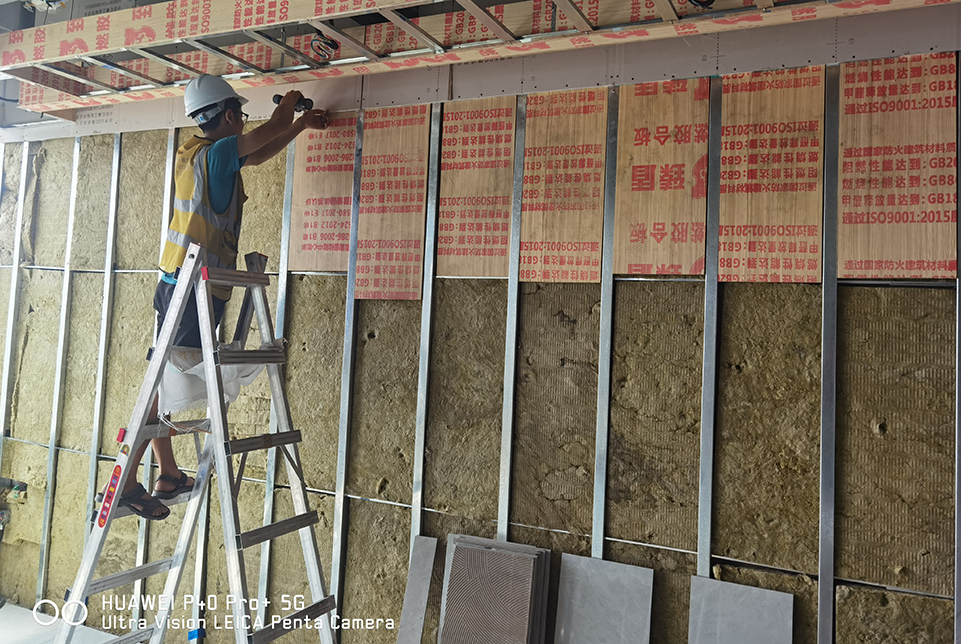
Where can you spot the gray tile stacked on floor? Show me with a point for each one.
(494, 592)
(603, 602)
(725, 613)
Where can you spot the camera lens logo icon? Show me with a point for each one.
(49, 620)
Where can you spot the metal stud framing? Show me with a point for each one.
(510, 341)
(123, 71)
(427, 298)
(574, 15)
(417, 33)
(829, 341)
(279, 326)
(77, 76)
(957, 429)
(58, 381)
(826, 589)
(164, 60)
(346, 378)
(606, 327)
(14, 305)
(709, 365)
(665, 10)
(106, 312)
(484, 17)
(225, 55)
(338, 35)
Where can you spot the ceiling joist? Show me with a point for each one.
(162, 43)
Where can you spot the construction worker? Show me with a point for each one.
(208, 207)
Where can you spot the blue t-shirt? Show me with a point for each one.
(223, 163)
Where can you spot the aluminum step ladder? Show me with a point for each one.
(217, 454)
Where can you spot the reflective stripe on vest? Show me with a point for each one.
(194, 219)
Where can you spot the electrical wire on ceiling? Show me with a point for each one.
(704, 4)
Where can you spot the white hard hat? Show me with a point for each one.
(208, 90)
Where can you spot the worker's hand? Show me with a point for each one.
(284, 112)
(315, 119)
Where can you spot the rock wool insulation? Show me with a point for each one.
(264, 210)
(68, 524)
(766, 479)
(83, 345)
(315, 353)
(380, 463)
(287, 573)
(556, 406)
(465, 398)
(654, 449)
(8, 200)
(140, 207)
(558, 543)
(53, 166)
(93, 203)
(131, 335)
(375, 577)
(5, 275)
(36, 350)
(440, 525)
(869, 616)
(20, 550)
(804, 589)
(895, 437)
(672, 586)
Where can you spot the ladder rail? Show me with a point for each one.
(236, 569)
(278, 401)
(190, 523)
(121, 472)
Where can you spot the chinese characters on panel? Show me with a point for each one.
(662, 178)
(771, 161)
(476, 179)
(563, 193)
(390, 245)
(323, 183)
(898, 168)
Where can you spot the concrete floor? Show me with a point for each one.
(19, 627)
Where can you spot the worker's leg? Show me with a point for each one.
(137, 458)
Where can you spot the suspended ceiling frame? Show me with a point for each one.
(81, 87)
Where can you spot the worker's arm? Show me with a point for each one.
(311, 120)
(279, 122)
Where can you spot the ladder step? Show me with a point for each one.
(133, 638)
(274, 530)
(293, 621)
(128, 576)
(227, 277)
(264, 441)
(273, 355)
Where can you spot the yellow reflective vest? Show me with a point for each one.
(194, 219)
